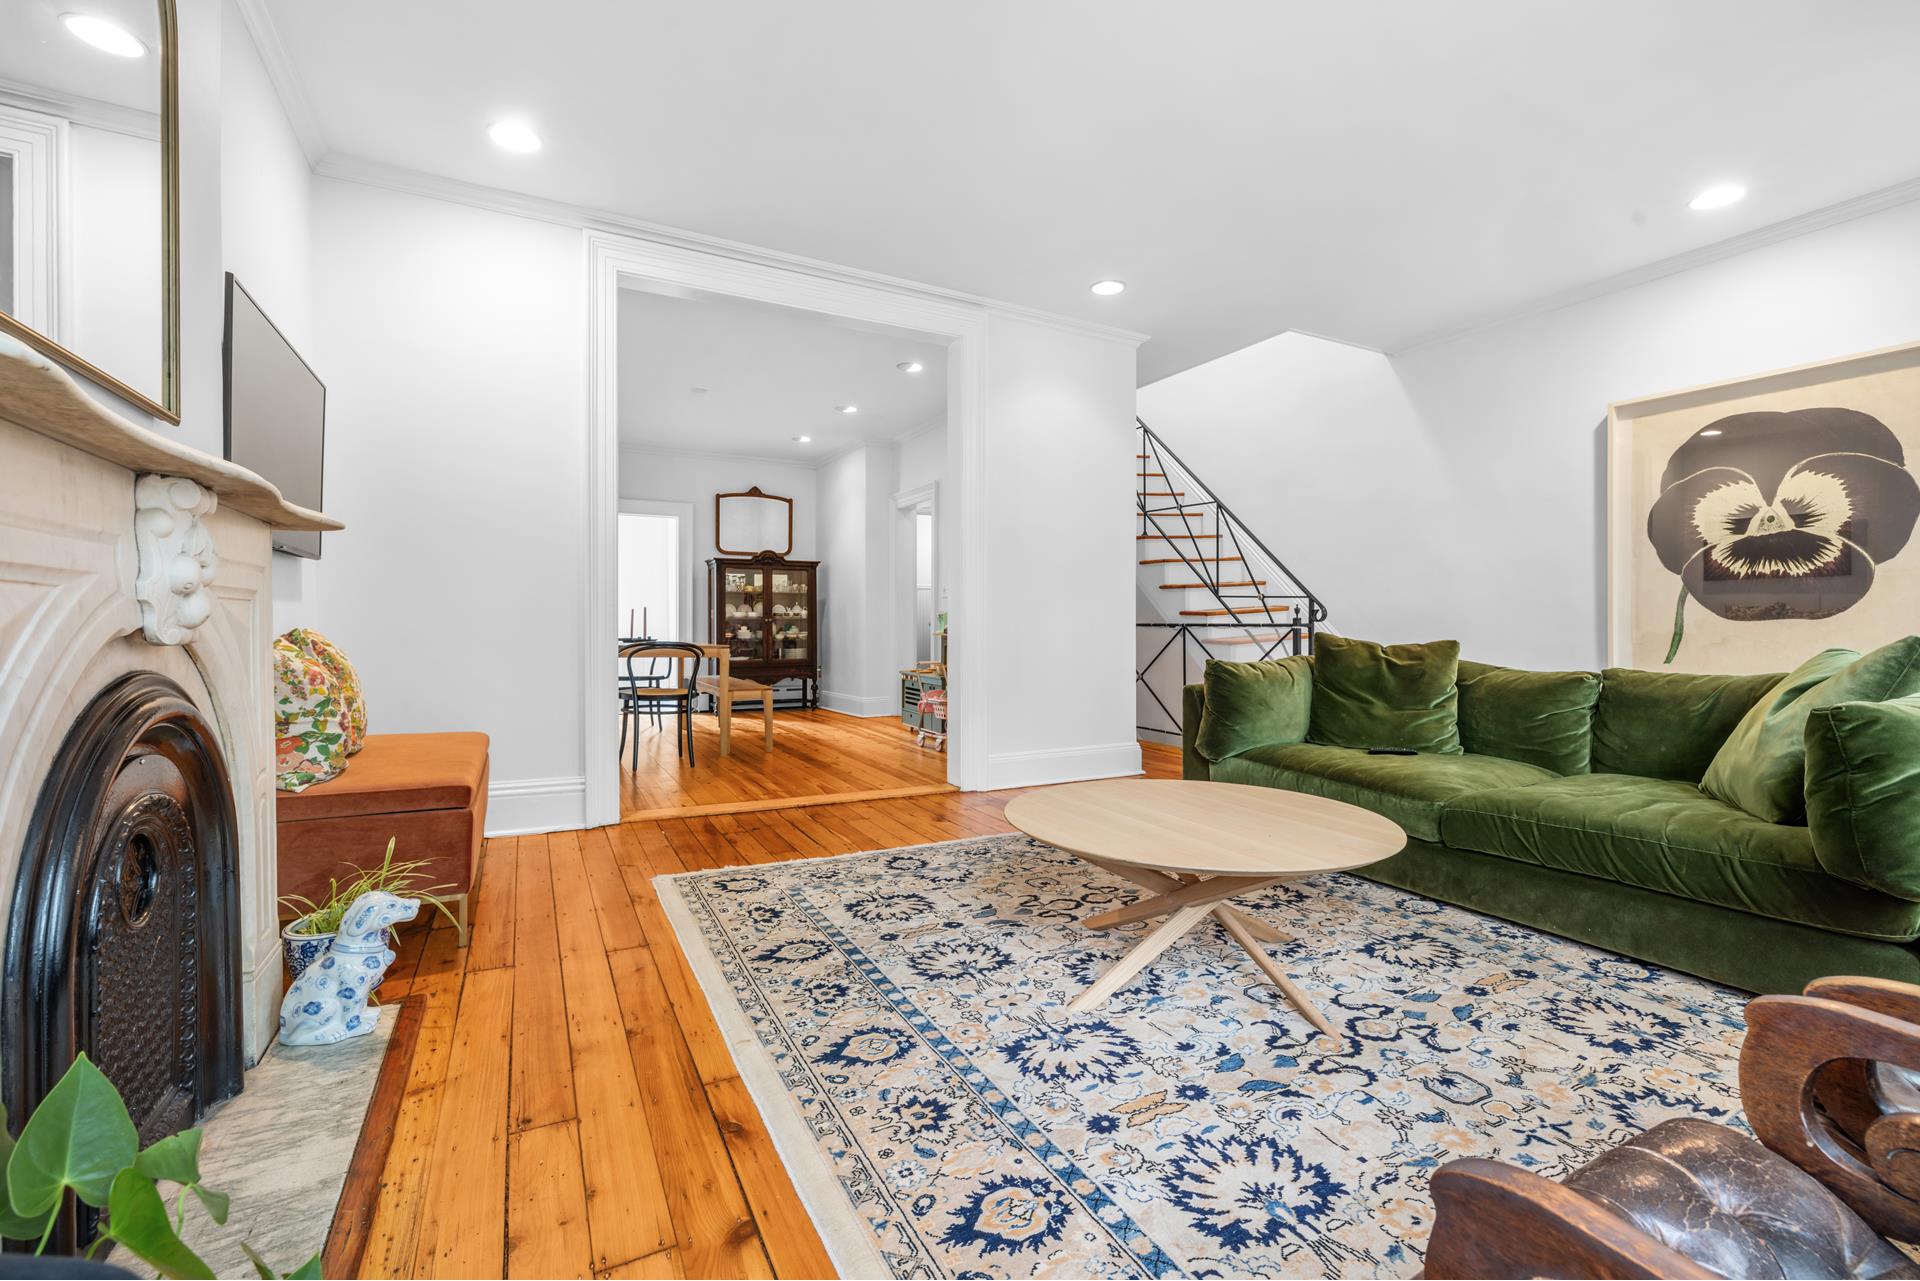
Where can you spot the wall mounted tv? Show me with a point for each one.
(276, 419)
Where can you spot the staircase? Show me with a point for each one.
(1208, 588)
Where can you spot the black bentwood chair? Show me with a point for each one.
(638, 699)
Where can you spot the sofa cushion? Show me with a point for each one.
(1253, 704)
(395, 773)
(1761, 768)
(1410, 790)
(1663, 834)
(1668, 724)
(1369, 695)
(1542, 718)
(1863, 793)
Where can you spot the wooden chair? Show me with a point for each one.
(1829, 1087)
(636, 700)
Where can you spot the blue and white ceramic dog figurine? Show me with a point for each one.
(328, 1002)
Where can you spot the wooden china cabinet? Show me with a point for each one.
(766, 609)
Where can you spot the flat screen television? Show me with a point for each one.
(276, 418)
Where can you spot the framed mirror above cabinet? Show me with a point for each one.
(89, 191)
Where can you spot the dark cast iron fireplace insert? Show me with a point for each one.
(124, 936)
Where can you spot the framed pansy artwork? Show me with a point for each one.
(1754, 523)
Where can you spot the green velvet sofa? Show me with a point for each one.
(1583, 816)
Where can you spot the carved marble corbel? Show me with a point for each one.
(177, 560)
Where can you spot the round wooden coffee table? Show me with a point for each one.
(1195, 845)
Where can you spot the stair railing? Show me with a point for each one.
(1284, 612)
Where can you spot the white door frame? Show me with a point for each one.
(614, 259)
(906, 503)
(683, 512)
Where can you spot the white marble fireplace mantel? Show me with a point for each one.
(122, 551)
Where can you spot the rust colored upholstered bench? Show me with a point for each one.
(428, 791)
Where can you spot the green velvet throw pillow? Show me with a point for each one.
(1540, 718)
(1761, 768)
(1863, 793)
(1370, 695)
(1251, 705)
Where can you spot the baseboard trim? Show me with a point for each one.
(1066, 765)
(857, 705)
(526, 806)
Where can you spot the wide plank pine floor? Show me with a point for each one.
(818, 757)
(571, 1110)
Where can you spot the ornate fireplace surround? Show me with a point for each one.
(137, 874)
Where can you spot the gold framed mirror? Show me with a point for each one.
(90, 192)
(752, 523)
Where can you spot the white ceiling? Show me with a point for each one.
(770, 373)
(1368, 170)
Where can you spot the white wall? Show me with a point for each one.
(858, 651)
(667, 476)
(921, 459)
(452, 344)
(1458, 489)
(1059, 558)
(266, 196)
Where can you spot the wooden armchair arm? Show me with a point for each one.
(1494, 1220)
(1793, 1044)
(1884, 996)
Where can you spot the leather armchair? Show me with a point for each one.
(1829, 1080)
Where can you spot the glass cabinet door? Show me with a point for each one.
(790, 616)
(743, 611)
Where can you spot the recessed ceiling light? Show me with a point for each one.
(1718, 196)
(803, 440)
(1108, 288)
(514, 135)
(909, 366)
(1710, 431)
(105, 36)
(848, 409)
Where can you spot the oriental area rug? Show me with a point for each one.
(900, 1020)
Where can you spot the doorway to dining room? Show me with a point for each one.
(785, 437)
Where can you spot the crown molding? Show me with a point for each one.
(77, 109)
(1900, 193)
(415, 182)
(287, 86)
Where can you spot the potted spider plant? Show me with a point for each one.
(313, 926)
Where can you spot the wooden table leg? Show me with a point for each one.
(766, 714)
(1140, 957)
(723, 708)
(1161, 883)
(1273, 972)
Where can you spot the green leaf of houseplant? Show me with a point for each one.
(79, 1137)
(137, 1218)
(175, 1158)
(308, 1271)
(16, 1227)
(216, 1203)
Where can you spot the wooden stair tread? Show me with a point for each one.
(1224, 613)
(1164, 537)
(1187, 560)
(1163, 493)
(1184, 587)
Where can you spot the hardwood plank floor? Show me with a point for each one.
(819, 757)
(571, 1109)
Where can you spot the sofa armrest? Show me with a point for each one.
(1193, 704)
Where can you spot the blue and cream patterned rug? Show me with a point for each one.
(899, 1017)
